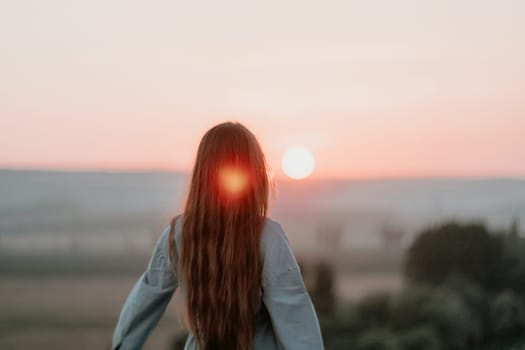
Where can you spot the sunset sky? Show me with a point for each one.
(373, 88)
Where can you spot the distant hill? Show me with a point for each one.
(135, 206)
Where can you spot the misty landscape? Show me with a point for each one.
(393, 132)
(73, 243)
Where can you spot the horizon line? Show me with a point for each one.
(279, 178)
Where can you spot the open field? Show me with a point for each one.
(63, 313)
(76, 306)
(80, 313)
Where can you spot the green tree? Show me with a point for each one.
(378, 339)
(508, 314)
(468, 250)
(440, 308)
(375, 310)
(323, 294)
(421, 338)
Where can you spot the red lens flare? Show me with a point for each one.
(233, 181)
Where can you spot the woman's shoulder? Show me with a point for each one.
(177, 229)
(278, 260)
(272, 234)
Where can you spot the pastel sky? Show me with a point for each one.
(376, 88)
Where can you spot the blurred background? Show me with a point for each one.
(394, 131)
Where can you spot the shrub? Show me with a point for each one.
(374, 310)
(421, 338)
(508, 314)
(378, 339)
(454, 249)
(440, 308)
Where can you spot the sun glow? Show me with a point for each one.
(298, 162)
(233, 180)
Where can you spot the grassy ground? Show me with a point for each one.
(65, 302)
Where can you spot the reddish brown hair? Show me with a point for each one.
(223, 219)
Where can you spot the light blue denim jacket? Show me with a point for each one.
(286, 318)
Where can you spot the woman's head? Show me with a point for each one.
(230, 171)
(223, 219)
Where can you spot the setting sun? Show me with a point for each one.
(298, 162)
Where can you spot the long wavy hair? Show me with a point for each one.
(223, 219)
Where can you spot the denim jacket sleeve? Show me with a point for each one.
(291, 311)
(148, 299)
